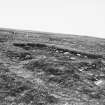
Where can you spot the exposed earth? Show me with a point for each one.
(40, 68)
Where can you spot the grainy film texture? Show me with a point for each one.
(40, 68)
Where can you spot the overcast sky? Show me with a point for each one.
(80, 17)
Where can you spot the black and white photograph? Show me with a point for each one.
(52, 52)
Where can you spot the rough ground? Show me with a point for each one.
(39, 68)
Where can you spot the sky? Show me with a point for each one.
(78, 17)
